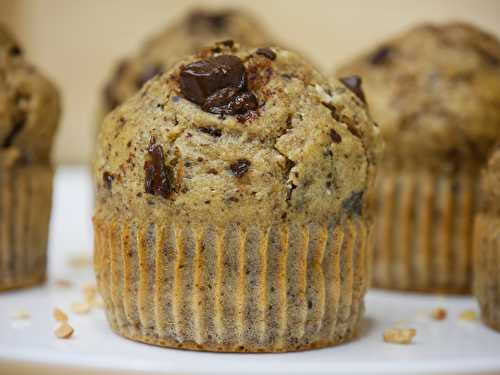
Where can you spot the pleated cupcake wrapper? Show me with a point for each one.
(25, 205)
(487, 268)
(424, 232)
(281, 288)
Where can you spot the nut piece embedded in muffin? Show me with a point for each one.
(435, 91)
(231, 207)
(29, 115)
(197, 29)
(487, 245)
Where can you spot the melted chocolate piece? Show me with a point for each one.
(354, 204)
(218, 85)
(148, 73)
(336, 138)
(214, 132)
(159, 177)
(107, 178)
(15, 51)
(240, 167)
(267, 52)
(381, 56)
(354, 83)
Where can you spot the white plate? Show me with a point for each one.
(29, 346)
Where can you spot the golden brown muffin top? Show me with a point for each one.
(435, 91)
(199, 28)
(236, 134)
(490, 194)
(29, 105)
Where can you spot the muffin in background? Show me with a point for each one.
(29, 115)
(197, 29)
(487, 245)
(435, 91)
(231, 208)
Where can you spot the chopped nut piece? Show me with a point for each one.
(89, 292)
(64, 331)
(59, 315)
(468, 315)
(63, 283)
(399, 335)
(21, 314)
(81, 261)
(439, 314)
(80, 308)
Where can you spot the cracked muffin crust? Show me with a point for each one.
(235, 186)
(29, 113)
(199, 28)
(487, 244)
(435, 91)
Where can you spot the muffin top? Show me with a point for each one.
(435, 91)
(29, 105)
(247, 135)
(490, 195)
(199, 28)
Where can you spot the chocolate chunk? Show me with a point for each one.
(354, 83)
(214, 132)
(488, 57)
(203, 78)
(16, 129)
(159, 177)
(226, 102)
(240, 167)
(354, 204)
(15, 51)
(215, 21)
(107, 178)
(267, 52)
(148, 73)
(227, 43)
(336, 138)
(381, 56)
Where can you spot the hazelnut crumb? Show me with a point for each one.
(468, 315)
(399, 335)
(64, 331)
(439, 314)
(63, 283)
(80, 308)
(59, 315)
(21, 314)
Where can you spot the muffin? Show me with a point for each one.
(487, 245)
(29, 113)
(435, 91)
(230, 211)
(198, 28)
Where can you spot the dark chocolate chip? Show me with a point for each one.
(227, 102)
(247, 116)
(16, 129)
(15, 50)
(267, 52)
(203, 78)
(148, 73)
(107, 178)
(214, 132)
(354, 204)
(240, 167)
(354, 83)
(488, 57)
(227, 43)
(159, 177)
(381, 56)
(336, 138)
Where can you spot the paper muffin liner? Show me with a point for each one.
(424, 231)
(25, 205)
(487, 268)
(233, 289)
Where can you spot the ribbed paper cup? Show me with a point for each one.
(487, 268)
(424, 231)
(233, 289)
(25, 205)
